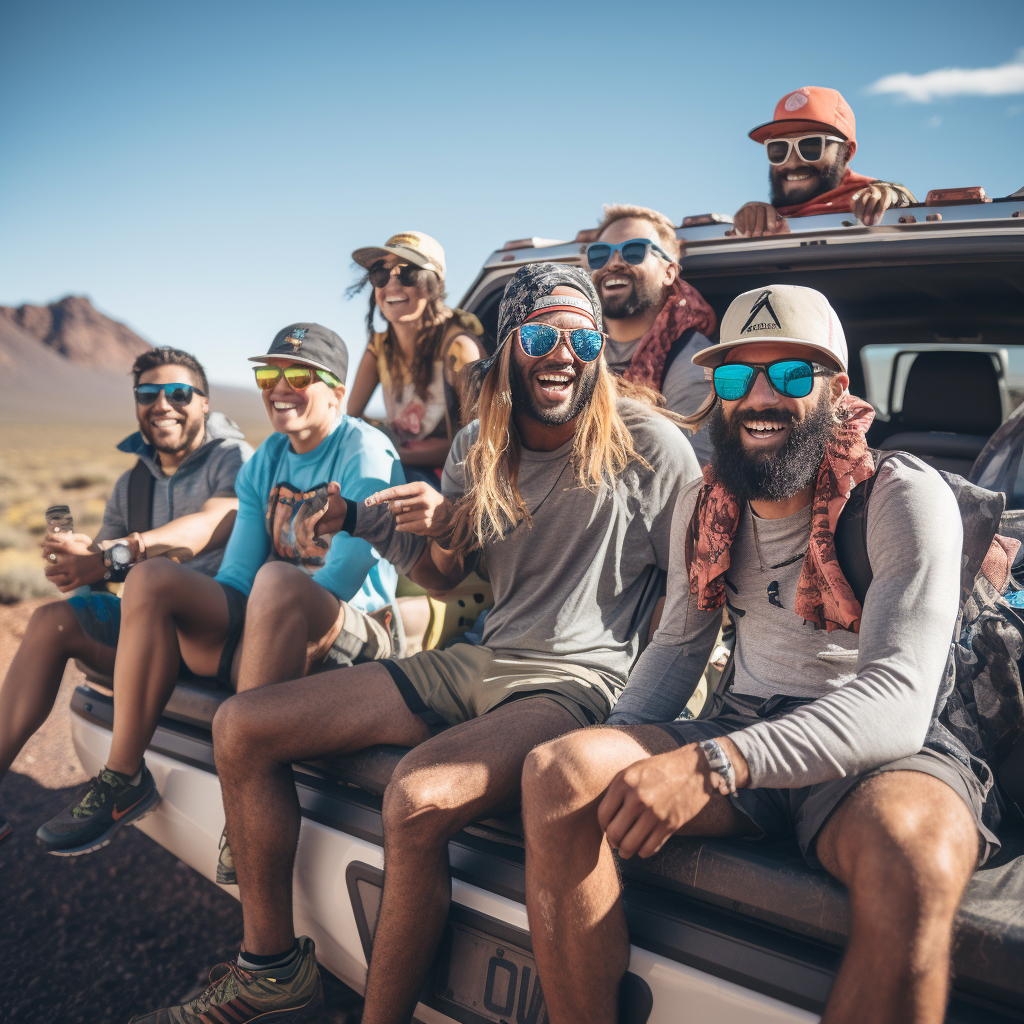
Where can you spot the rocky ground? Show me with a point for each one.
(97, 939)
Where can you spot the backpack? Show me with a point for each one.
(979, 711)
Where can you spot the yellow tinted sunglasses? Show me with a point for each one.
(298, 376)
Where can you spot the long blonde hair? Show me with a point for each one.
(492, 506)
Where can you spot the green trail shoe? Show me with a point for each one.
(226, 862)
(238, 995)
(91, 821)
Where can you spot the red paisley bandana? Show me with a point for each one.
(823, 596)
(837, 200)
(684, 308)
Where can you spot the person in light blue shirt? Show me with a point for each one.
(276, 609)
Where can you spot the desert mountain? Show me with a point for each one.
(68, 362)
(74, 329)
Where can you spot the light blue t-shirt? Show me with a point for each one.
(276, 482)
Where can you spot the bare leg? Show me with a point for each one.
(257, 735)
(577, 922)
(905, 846)
(168, 612)
(290, 622)
(30, 687)
(444, 784)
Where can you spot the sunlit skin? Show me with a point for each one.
(616, 278)
(304, 415)
(756, 218)
(176, 431)
(763, 396)
(403, 307)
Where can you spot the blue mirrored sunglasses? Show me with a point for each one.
(793, 378)
(177, 394)
(538, 340)
(634, 251)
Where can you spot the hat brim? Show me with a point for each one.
(369, 255)
(301, 360)
(714, 355)
(788, 126)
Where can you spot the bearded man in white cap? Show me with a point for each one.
(824, 728)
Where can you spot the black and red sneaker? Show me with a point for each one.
(91, 821)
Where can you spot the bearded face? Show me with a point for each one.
(796, 182)
(530, 395)
(775, 474)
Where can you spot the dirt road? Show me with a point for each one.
(97, 939)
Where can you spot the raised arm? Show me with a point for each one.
(364, 385)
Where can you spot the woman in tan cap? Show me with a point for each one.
(418, 358)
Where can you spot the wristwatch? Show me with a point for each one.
(117, 559)
(719, 763)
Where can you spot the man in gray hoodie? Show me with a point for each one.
(179, 502)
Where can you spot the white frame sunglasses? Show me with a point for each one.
(795, 142)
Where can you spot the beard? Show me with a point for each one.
(774, 476)
(640, 299)
(189, 438)
(522, 397)
(821, 181)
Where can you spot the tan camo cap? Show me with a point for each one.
(780, 312)
(412, 246)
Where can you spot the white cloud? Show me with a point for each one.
(1004, 80)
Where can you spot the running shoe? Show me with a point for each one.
(6, 831)
(238, 995)
(226, 862)
(108, 804)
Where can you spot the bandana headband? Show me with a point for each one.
(561, 309)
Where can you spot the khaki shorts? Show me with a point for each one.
(466, 681)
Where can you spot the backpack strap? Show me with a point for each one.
(675, 348)
(851, 536)
(140, 498)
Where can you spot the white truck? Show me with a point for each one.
(932, 299)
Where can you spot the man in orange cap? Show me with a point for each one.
(810, 143)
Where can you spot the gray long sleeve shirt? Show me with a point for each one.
(874, 692)
(581, 584)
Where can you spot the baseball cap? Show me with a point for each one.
(412, 246)
(810, 109)
(311, 345)
(780, 312)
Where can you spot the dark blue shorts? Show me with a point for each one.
(98, 613)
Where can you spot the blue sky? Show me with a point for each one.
(203, 170)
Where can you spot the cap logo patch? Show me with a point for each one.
(795, 101)
(296, 338)
(762, 304)
(410, 240)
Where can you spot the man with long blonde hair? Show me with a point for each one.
(566, 488)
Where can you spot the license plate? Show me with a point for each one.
(492, 979)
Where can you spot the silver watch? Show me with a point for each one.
(719, 763)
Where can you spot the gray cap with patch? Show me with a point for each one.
(310, 345)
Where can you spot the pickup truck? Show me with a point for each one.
(932, 300)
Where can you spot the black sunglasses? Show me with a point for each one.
(177, 394)
(380, 273)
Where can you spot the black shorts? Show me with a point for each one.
(777, 813)
(237, 602)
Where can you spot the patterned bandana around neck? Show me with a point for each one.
(684, 308)
(823, 596)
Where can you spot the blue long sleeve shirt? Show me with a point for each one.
(275, 484)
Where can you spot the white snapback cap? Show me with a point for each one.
(780, 313)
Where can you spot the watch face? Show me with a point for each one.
(120, 556)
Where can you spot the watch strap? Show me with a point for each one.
(719, 763)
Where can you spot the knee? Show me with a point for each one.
(911, 871)
(276, 588)
(52, 623)
(417, 811)
(234, 734)
(150, 582)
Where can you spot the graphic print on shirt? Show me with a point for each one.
(287, 505)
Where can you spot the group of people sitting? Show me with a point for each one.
(621, 481)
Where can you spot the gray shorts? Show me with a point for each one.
(777, 813)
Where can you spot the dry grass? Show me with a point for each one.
(56, 464)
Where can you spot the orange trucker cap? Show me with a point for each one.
(810, 109)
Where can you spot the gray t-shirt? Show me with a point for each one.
(684, 386)
(582, 582)
(209, 472)
(874, 692)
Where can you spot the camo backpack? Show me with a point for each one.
(979, 711)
